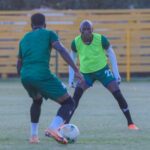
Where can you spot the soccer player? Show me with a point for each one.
(92, 50)
(33, 66)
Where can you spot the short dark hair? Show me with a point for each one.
(37, 19)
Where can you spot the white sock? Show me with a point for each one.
(56, 123)
(34, 129)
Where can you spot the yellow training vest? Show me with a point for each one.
(91, 57)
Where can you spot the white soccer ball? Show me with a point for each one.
(70, 132)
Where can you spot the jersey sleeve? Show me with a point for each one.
(73, 46)
(105, 42)
(53, 36)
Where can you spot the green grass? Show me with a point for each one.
(101, 123)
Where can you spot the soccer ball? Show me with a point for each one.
(70, 132)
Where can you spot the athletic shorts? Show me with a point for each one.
(105, 76)
(51, 88)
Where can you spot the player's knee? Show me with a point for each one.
(69, 101)
(83, 86)
(76, 104)
(38, 101)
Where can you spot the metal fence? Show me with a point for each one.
(127, 30)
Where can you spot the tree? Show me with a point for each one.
(73, 4)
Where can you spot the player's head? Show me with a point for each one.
(86, 27)
(38, 21)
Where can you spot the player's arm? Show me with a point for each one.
(19, 61)
(112, 57)
(73, 55)
(19, 65)
(65, 55)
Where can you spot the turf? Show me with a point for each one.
(101, 123)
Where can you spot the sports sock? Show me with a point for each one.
(66, 109)
(56, 123)
(77, 95)
(123, 105)
(128, 116)
(34, 129)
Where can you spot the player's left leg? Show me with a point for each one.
(35, 112)
(108, 80)
(79, 90)
(116, 92)
(35, 109)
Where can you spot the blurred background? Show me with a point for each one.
(72, 4)
(125, 23)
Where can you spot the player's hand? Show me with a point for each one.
(72, 85)
(79, 76)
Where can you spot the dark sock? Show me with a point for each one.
(128, 116)
(66, 109)
(123, 105)
(35, 110)
(76, 97)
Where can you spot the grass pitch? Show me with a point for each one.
(101, 123)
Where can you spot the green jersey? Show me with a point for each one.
(92, 57)
(35, 51)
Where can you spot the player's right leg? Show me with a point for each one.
(56, 90)
(79, 90)
(106, 77)
(64, 113)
